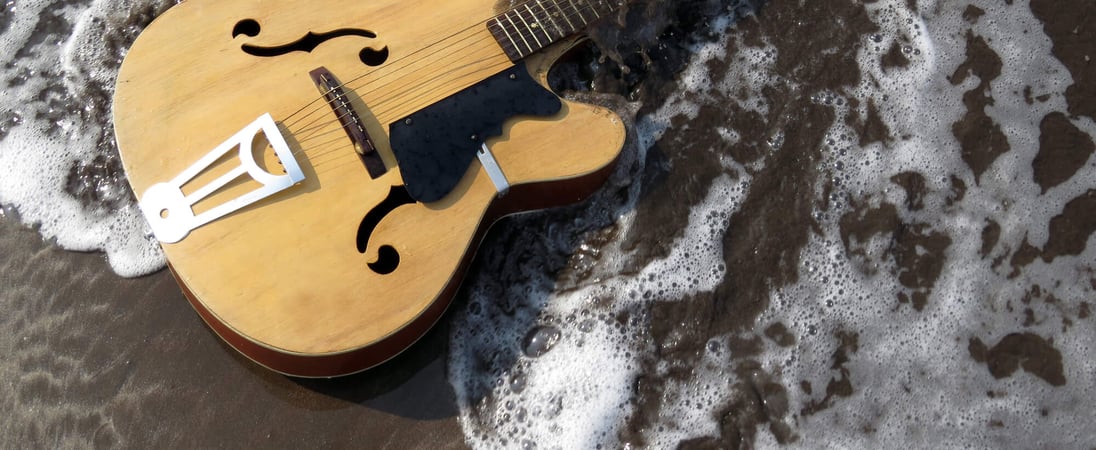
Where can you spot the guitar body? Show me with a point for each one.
(283, 280)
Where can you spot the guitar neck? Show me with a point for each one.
(536, 24)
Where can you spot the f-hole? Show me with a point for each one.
(251, 28)
(388, 259)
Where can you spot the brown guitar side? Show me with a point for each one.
(281, 280)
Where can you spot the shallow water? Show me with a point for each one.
(835, 224)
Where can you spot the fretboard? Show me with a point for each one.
(535, 24)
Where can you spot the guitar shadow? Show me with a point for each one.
(413, 384)
(417, 383)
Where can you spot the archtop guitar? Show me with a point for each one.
(320, 174)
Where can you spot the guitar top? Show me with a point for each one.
(320, 175)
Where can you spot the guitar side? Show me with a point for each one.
(281, 280)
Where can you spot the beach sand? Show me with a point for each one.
(895, 202)
(92, 358)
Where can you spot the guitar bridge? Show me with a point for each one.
(339, 102)
(170, 212)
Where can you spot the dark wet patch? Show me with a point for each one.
(1023, 256)
(957, 192)
(991, 233)
(1029, 317)
(1074, 44)
(780, 335)
(918, 252)
(1063, 151)
(686, 158)
(860, 225)
(914, 185)
(920, 256)
(873, 129)
(980, 138)
(1028, 351)
(894, 58)
(1030, 98)
(773, 224)
(973, 13)
(99, 185)
(6, 15)
(840, 386)
(1069, 234)
(756, 400)
(1070, 230)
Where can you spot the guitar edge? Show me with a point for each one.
(522, 197)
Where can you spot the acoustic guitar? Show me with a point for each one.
(320, 174)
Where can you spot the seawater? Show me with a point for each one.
(839, 359)
(551, 339)
(62, 173)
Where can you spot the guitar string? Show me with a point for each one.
(397, 70)
(572, 14)
(342, 157)
(433, 89)
(387, 71)
(380, 112)
(411, 88)
(318, 150)
(394, 96)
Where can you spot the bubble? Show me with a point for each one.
(540, 340)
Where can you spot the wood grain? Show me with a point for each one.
(284, 274)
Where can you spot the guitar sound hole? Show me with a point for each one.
(246, 27)
(373, 58)
(388, 259)
(307, 43)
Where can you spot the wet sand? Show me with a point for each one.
(97, 359)
(92, 359)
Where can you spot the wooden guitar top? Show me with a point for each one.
(282, 279)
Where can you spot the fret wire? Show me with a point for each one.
(527, 28)
(564, 14)
(531, 30)
(540, 24)
(559, 30)
(520, 34)
(513, 44)
(544, 25)
(580, 17)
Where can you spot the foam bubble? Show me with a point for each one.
(56, 144)
(912, 378)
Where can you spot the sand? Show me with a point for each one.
(852, 295)
(92, 359)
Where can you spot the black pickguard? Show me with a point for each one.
(436, 145)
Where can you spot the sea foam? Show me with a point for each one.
(912, 375)
(61, 168)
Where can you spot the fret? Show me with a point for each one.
(531, 31)
(579, 12)
(519, 33)
(509, 39)
(505, 39)
(564, 14)
(538, 24)
(559, 30)
(531, 26)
